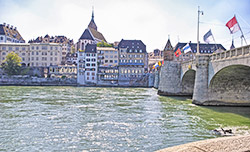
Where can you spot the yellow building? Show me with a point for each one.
(34, 55)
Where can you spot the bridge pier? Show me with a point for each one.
(170, 79)
(201, 80)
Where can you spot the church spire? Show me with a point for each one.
(92, 22)
(92, 13)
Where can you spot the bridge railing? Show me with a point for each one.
(236, 52)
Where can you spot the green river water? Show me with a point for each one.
(107, 119)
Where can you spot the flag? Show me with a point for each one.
(233, 25)
(208, 37)
(177, 53)
(186, 48)
(159, 63)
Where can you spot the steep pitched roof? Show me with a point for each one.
(133, 45)
(204, 48)
(90, 48)
(87, 35)
(92, 22)
(11, 32)
(168, 46)
(97, 35)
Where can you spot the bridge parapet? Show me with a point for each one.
(236, 52)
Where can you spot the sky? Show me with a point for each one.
(152, 21)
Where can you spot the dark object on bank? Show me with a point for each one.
(222, 132)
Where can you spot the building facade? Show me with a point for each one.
(133, 59)
(33, 55)
(107, 65)
(10, 34)
(203, 49)
(65, 43)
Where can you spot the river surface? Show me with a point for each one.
(106, 119)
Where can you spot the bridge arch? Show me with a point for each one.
(188, 81)
(231, 84)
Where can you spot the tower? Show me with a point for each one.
(168, 51)
(92, 22)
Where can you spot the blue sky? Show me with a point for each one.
(149, 20)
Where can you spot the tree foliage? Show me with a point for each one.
(12, 64)
(103, 44)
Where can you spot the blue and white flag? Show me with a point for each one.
(187, 48)
(208, 37)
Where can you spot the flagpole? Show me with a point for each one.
(198, 45)
(214, 41)
(242, 36)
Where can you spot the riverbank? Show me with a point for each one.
(223, 144)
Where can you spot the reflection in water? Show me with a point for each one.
(108, 119)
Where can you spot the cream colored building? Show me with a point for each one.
(35, 54)
(107, 56)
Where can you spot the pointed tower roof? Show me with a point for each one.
(232, 46)
(92, 22)
(168, 46)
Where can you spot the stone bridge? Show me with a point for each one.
(215, 79)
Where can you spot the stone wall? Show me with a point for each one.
(151, 80)
(170, 82)
(157, 79)
(230, 86)
(27, 80)
(187, 83)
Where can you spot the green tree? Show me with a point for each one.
(12, 64)
(103, 44)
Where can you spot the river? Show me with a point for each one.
(106, 119)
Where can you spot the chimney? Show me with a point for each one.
(11, 27)
(4, 24)
(8, 25)
(15, 28)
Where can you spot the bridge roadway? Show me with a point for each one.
(212, 79)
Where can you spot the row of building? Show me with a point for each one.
(119, 63)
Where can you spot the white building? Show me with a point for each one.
(81, 68)
(87, 65)
(9, 34)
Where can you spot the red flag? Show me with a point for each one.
(177, 53)
(233, 25)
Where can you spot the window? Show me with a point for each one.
(106, 61)
(111, 56)
(87, 64)
(51, 58)
(10, 48)
(23, 48)
(55, 58)
(4, 48)
(51, 53)
(17, 48)
(111, 61)
(37, 58)
(37, 47)
(37, 53)
(87, 78)
(115, 61)
(93, 78)
(88, 60)
(1, 38)
(93, 60)
(55, 53)
(3, 53)
(23, 53)
(32, 48)
(93, 64)
(23, 59)
(87, 73)
(32, 53)
(93, 74)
